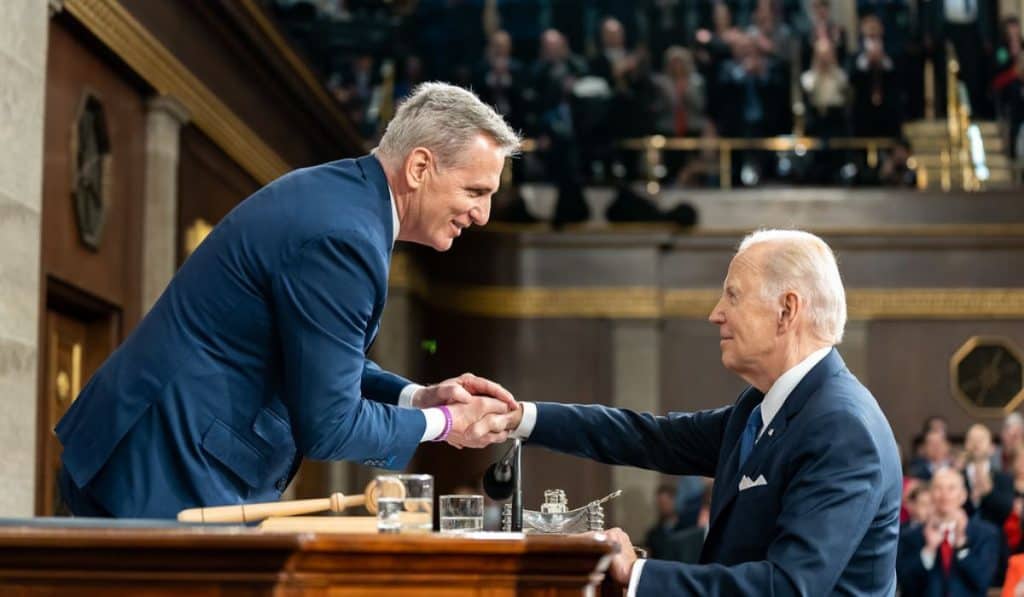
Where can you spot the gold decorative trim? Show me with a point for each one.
(133, 43)
(914, 230)
(533, 303)
(635, 302)
(954, 378)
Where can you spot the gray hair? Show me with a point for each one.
(444, 119)
(802, 262)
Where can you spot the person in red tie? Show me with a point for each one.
(951, 555)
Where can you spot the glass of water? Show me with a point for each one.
(405, 503)
(462, 513)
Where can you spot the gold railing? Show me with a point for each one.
(654, 147)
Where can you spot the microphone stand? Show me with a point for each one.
(517, 487)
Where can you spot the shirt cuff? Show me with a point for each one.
(927, 559)
(634, 577)
(435, 423)
(527, 423)
(405, 398)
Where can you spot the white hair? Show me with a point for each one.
(801, 262)
(444, 119)
(1013, 419)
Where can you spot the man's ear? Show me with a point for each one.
(789, 309)
(417, 167)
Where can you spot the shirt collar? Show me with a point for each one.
(394, 217)
(785, 384)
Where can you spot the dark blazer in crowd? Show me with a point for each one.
(971, 568)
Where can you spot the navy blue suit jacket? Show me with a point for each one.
(969, 575)
(253, 358)
(826, 520)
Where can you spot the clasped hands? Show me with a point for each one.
(482, 411)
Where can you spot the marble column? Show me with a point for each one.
(23, 35)
(636, 375)
(164, 119)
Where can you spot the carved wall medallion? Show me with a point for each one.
(987, 375)
(90, 169)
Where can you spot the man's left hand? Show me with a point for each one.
(622, 564)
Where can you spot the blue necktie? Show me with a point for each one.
(750, 432)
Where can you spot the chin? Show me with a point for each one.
(443, 244)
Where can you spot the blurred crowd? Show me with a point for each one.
(961, 522)
(578, 76)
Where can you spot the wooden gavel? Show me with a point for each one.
(337, 502)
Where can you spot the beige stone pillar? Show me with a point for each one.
(636, 386)
(164, 119)
(23, 33)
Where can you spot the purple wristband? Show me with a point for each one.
(447, 424)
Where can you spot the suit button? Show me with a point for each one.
(281, 484)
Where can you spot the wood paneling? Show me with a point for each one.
(210, 184)
(112, 273)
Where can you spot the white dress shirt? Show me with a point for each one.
(770, 407)
(435, 419)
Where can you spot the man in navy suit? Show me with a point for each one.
(807, 485)
(950, 555)
(255, 355)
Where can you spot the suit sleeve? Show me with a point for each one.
(380, 385)
(677, 444)
(835, 485)
(324, 299)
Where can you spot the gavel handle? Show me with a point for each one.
(256, 512)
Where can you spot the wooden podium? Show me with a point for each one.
(233, 560)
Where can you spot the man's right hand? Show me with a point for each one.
(478, 423)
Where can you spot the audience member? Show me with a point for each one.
(935, 455)
(950, 554)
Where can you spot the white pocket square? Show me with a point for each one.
(746, 483)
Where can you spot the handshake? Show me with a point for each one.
(483, 412)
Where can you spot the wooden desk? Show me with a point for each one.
(222, 561)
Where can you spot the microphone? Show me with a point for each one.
(499, 482)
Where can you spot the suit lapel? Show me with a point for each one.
(727, 482)
(727, 488)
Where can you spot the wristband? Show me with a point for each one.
(447, 424)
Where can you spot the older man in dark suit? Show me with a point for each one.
(807, 475)
(255, 356)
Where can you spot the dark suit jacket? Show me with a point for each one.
(253, 357)
(971, 570)
(826, 518)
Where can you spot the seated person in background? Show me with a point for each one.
(686, 544)
(668, 521)
(1011, 437)
(935, 455)
(919, 506)
(989, 492)
(950, 554)
(895, 170)
(826, 90)
(1013, 528)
